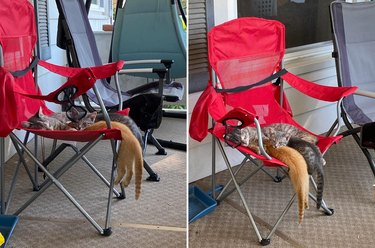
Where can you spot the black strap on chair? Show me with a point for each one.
(246, 87)
(32, 65)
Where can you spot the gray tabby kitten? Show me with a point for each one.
(293, 131)
(248, 137)
(59, 121)
(315, 162)
(126, 120)
(276, 134)
(55, 121)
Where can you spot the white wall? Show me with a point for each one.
(225, 10)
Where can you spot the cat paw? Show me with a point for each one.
(118, 180)
(125, 183)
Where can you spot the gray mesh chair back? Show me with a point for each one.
(354, 50)
(76, 27)
(354, 35)
(75, 35)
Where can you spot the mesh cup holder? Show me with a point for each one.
(232, 134)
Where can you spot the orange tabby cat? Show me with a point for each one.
(297, 173)
(130, 152)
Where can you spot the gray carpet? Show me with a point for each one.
(157, 218)
(348, 190)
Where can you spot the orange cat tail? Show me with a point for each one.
(138, 176)
(301, 206)
(130, 157)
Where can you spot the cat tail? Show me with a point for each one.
(300, 180)
(130, 152)
(133, 155)
(319, 187)
(138, 174)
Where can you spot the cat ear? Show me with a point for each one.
(92, 116)
(40, 112)
(74, 112)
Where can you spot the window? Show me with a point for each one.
(44, 47)
(306, 21)
(98, 3)
(201, 19)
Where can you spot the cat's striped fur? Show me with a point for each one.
(315, 162)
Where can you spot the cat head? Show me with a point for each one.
(277, 138)
(38, 121)
(78, 122)
(248, 135)
(233, 136)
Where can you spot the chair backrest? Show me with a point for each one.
(75, 25)
(246, 50)
(150, 29)
(354, 39)
(17, 41)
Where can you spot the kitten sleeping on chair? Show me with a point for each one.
(302, 156)
(130, 151)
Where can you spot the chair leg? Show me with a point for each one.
(250, 216)
(267, 240)
(2, 177)
(357, 139)
(53, 180)
(153, 176)
(225, 192)
(327, 211)
(107, 228)
(155, 142)
(57, 174)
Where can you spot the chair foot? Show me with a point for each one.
(153, 178)
(330, 212)
(36, 188)
(161, 152)
(278, 179)
(265, 242)
(107, 232)
(121, 196)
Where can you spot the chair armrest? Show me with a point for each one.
(364, 93)
(143, 70)
(245, 117)
(101, 71)
(317, 91)
(166, 62)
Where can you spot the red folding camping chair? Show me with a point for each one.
(246, 55)
(21, 99)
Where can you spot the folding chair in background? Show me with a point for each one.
(354, 49)
(152, 31)
(146, 100)
(76, 36)
(149, 29)
(22, 99)
(245, 55)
